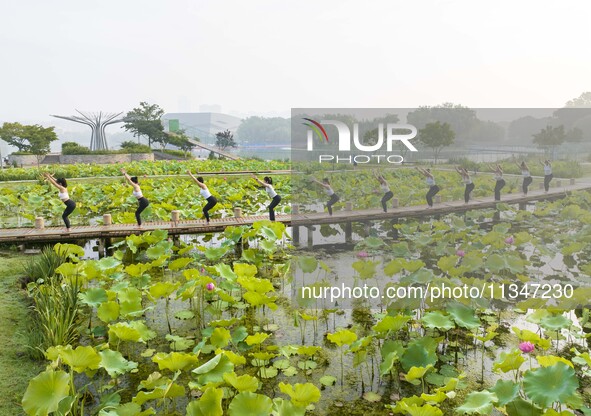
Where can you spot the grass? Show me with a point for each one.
(15, 366)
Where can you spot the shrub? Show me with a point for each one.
(73, 148)
(43, 266)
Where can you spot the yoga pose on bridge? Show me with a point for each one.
(500, 182)
(433, 189)
(388, 194)
(333, 198)
(547, 174)
(137, 192)
(275, 199)
(62, 185)
(467, 181)
(527, 179)
(211, 201)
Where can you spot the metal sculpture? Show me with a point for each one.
(97, 122)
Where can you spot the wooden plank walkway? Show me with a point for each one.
(58, 234)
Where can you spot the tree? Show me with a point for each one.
(34, 139)
(583, 100)
(224, 139)
(145, 121)
(437, 135)
(550, 137)
(181, 140)
(275, 130)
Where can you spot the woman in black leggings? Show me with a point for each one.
(62, 185)
(467, 181)
(137, 192)
(500, 182)
(527, 179)
(547, 174)
(211, 201)
(433, 189)
(388, 194)
(333, 198)
(275, 199)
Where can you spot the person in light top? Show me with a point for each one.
(547, 174)
(500, 182)
(527, 179)
(267, 182)
(211, 201)
(62, 185)
(467, 181)
(137, 192)
(388, 194)
(333, 198)
(433, 188)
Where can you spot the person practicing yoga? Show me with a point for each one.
(333, 198)
(267, 182)
(500, 182)
(137, 192)
(211, 201)
(527, 179)
(62, 185)
(467, 181)
(433, 189)
(547, 174)
(388, 194)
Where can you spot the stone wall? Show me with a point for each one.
(23, 160)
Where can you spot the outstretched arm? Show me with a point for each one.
(49, 177)
(320, 183)
(201, 184)
(128, 178)
(259, 181)
(525, 165)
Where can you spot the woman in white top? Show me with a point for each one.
(62, 185)
(137, 192)
(500, 182)
(211, 201)
(388, 194)
(527, 179)
(467, 181)
(275, 199)
(333, 198)
(433, 189)
(547, 174)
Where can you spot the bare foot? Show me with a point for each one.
(67, 230)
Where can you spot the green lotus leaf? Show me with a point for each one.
(307, 365)
(163, 289)
(290, 371)
(307, 264)
(520, 407)
(213, 370)
(170, 390)
(93, 296)
(81, 359)
(175, 361)
(108, 263)
(179, 264)
(225, 271)
(478, 403)
(45, 392)
(130, 302)
(282, 407)
(391, 323)
(342, 337)
(301, 394)
(371, 397)
(437, 320)
(495, 263)
(420, 410)
(220, 337)
(438, 397)
(122, 331)
(327, 380)
(549, 360)
(506, 391)
(210, 404)
(547, 385)
(509, 361)
(415, 374)
(256, 339)
(250, 404)
(108, 311)
(215, 253)
(178, 343)
(114, 363)
(555, 322)
(242, 383)
(184, 315)
(267, 372)
(419, 353)
(366, 268)
(464, 316)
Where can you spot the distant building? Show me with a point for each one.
(201, 125)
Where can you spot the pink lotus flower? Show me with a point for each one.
(225, 178)
(526, 347)
(363, 254)
(202, 270)
(460, 253)
(509, 240)
(210, 286)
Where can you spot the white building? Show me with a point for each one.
(201, 125)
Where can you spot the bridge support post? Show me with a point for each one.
(101, 248)
(295, 229)
(541, 186)
(174, 217)
(107, 220)
(310, 236)
(39, 223)
(394, 202)
(558, 183)
(572, 181)
(237, 212)
(522, 206)
(348, 232)
(438, 199)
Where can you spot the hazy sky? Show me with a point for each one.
(264, 57)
